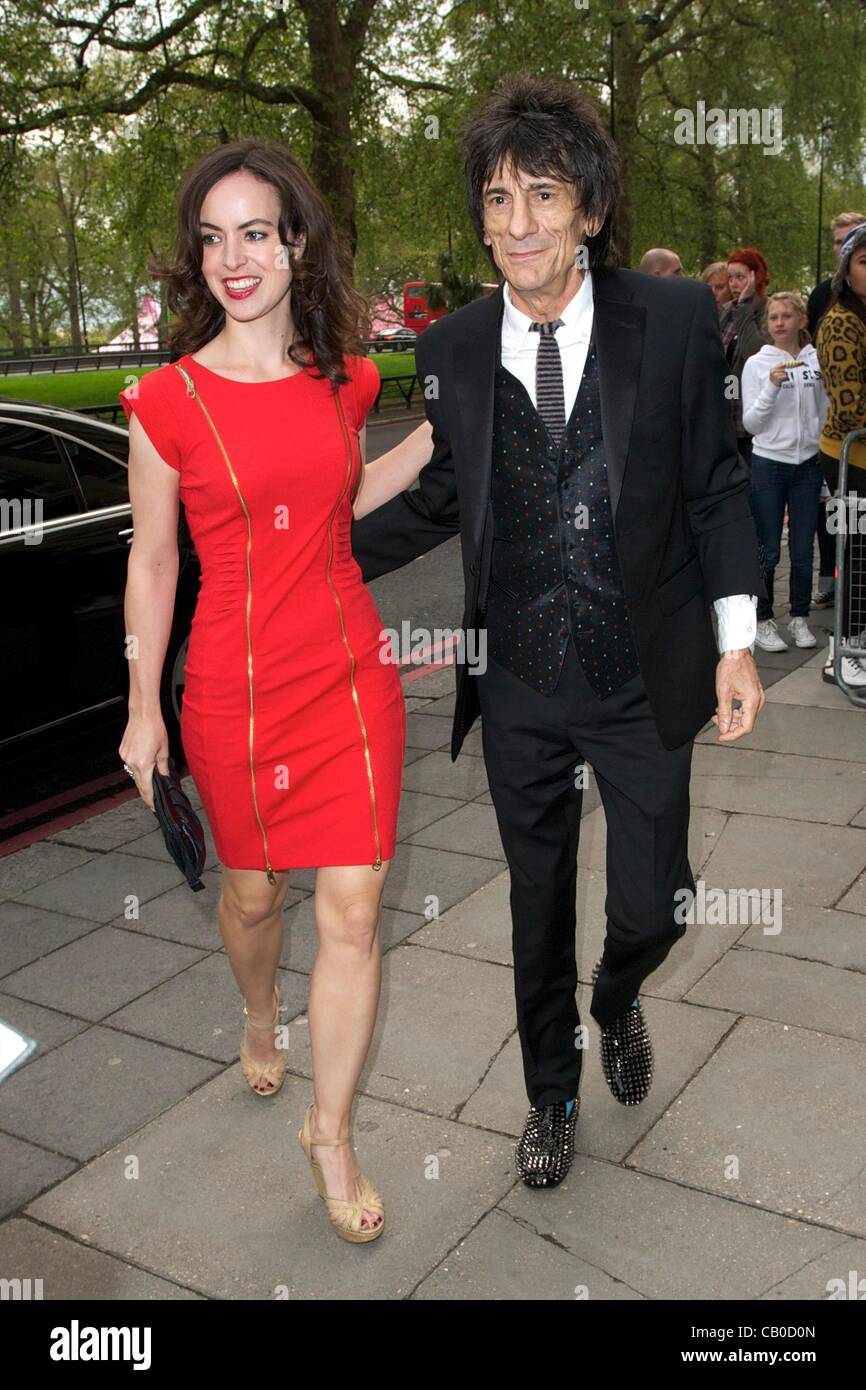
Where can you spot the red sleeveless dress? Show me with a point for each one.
(293, 724)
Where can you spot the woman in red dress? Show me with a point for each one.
(293, 720)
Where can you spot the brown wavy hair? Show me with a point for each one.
(329, 315)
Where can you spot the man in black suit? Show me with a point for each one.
(582, 448)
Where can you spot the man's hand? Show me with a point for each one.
(737, 679)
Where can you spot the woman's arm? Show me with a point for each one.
(149, 604)
(759, 397)
(393, 472)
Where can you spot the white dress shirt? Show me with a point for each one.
(736, 613)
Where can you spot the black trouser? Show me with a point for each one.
(532, 745)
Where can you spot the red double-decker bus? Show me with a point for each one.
(417, 313)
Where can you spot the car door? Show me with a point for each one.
(99, 568)
(39, 534)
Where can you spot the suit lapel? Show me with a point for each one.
(618, 328)
(475, 358)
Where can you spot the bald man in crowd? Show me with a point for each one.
(659, 261)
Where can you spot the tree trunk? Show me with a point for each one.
(335, 50)
(16, 325)
(627, 84)
(67, 231)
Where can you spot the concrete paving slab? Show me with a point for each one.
(472, 829)
(36, 864)
(100, 971)
(251, 1223)
(95, 1089)
(805, 687)
(103, 886)
(814, 864)
(413, 755)
(837, 1273)
(427, 730)
(735, 760)
(25, 1171)
(479, 926)
(788, 1106)
(26, 933)
(444, 704)
(180, 915)
(821, 733)
(418, 809)
(107, 830)
(815, 933)
(663, 1240)
(504, 1257)
(200, 1010)
(69, 1270)
(829, 801)
(855, 899)
(436, 773)
(766, 984)
(431, 1058)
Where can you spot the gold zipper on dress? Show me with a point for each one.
(378, 860)
(191, 391)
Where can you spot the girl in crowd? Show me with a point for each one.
(743, 325)
(783, 408)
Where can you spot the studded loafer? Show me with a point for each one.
(626, 1053)
(546, 1148)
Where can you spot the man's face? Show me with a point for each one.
(673, 266)
(839, 235)
(534, 226)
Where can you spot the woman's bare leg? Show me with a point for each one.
(251, 924)
(344, 998)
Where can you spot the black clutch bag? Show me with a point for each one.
(180, 826)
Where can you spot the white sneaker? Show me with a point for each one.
(853, 672)
(801, 634)
(769, 638)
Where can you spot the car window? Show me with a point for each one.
(32, 469)
(103, 478)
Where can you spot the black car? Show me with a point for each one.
(65, 532)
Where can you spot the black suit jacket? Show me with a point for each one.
(679, 489)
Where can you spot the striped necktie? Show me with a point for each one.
(549, 389)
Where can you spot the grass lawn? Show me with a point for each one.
(72, 390)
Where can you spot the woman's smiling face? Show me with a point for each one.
(247, 269)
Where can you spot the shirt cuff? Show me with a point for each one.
(737, 620)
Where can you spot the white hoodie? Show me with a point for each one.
(785, 421)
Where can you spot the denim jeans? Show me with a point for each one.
(799, 485)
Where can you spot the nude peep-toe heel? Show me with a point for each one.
(257, 1073)
(346, 1216)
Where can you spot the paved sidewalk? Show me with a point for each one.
(137, 1163)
